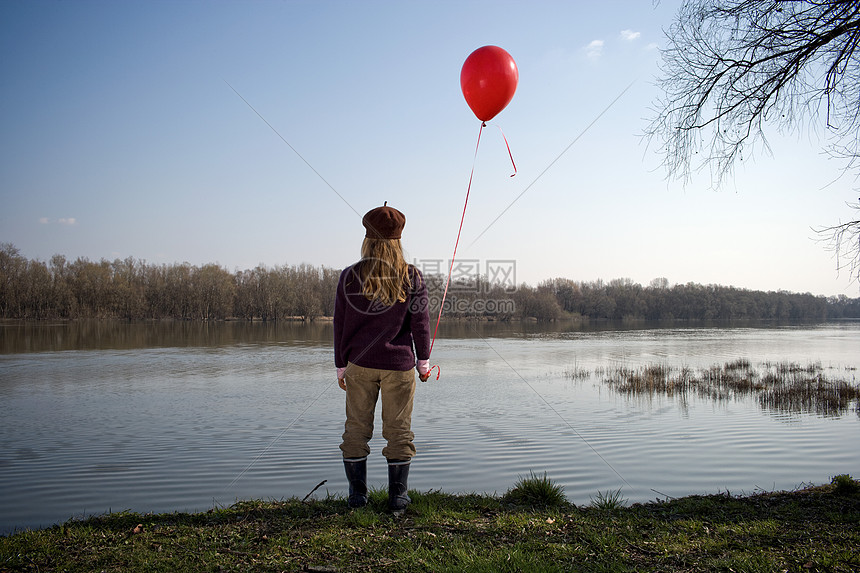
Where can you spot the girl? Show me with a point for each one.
(381, 335)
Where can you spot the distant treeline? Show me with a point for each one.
(133, 289)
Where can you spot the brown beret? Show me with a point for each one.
(384, 223)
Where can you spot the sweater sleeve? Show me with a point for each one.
(339, 310)
(420, 309)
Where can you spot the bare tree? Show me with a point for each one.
(734, 66)
(844, 240)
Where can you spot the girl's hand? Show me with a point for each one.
(423, 367)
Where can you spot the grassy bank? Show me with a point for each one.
(530, 528)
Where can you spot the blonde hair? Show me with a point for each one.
(383, 271)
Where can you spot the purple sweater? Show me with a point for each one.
(375, 336)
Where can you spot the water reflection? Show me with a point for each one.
(17, 337)
(24, 337)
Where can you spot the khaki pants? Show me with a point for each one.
(363, 386)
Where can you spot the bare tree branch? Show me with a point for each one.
(733, 67)
(844, 241)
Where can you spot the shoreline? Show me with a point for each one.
(816, 528)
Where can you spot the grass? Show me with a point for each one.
(608, 501)
(536, 491)
(783, 386)
(810, 530)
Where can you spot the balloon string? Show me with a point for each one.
(511, 155)
(439, 373)
(457, 242)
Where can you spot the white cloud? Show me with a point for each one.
(652, 46)
(630, 35)
(61, 221)
(594, 49)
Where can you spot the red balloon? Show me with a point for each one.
(489, 79)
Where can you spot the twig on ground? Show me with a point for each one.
(319, 485)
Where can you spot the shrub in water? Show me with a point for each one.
(536, 490)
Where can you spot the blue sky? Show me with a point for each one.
(121, 138)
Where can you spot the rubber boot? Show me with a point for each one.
(398, 475)
(356, 474)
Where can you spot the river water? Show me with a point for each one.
(165, 416)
